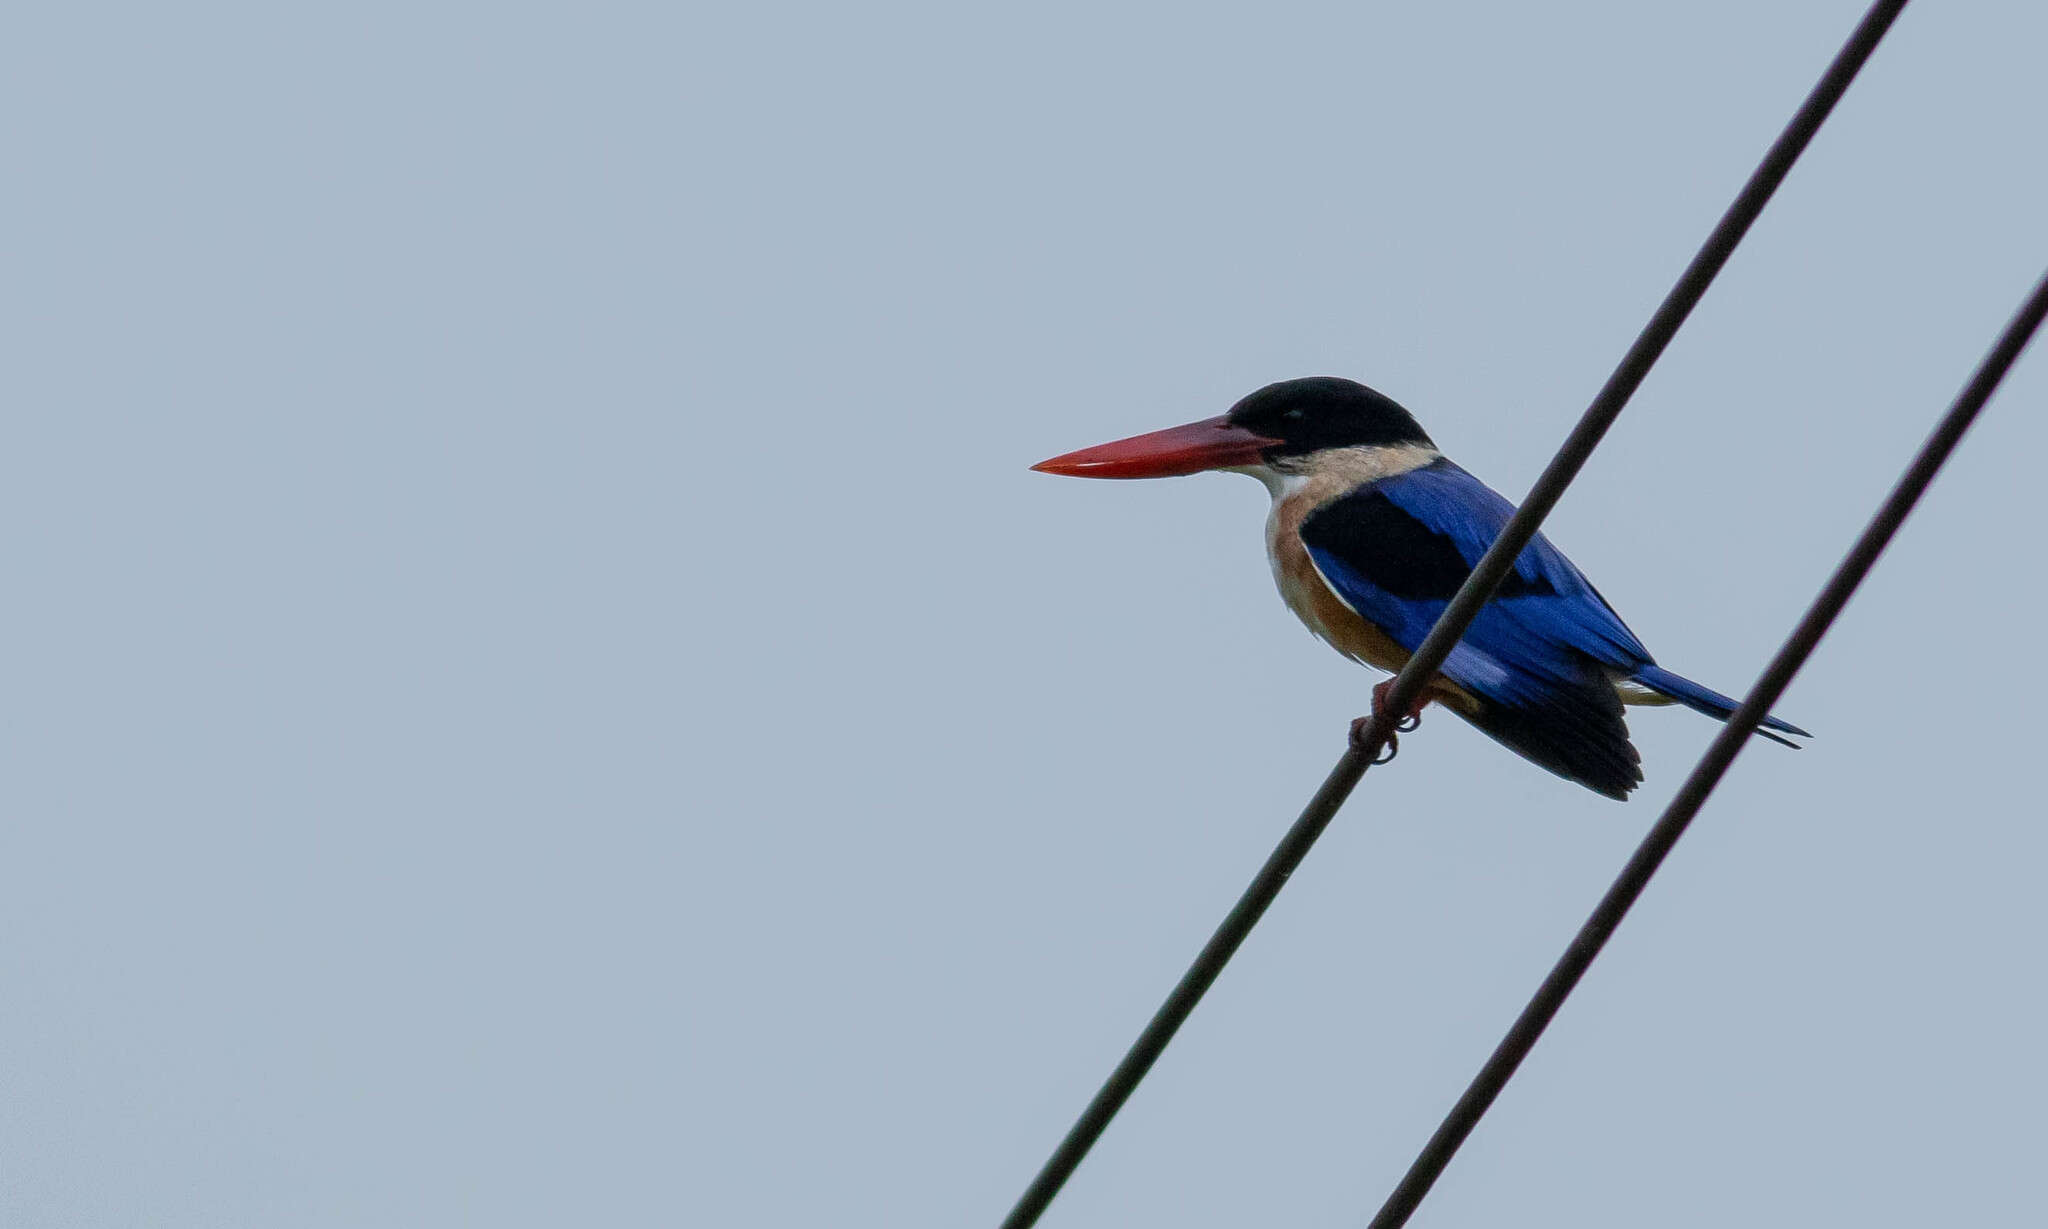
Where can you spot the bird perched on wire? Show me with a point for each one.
(1371, 532)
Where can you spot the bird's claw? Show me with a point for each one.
(1406, 724)
(1360, 731)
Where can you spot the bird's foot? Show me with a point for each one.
(1410, 721)
(1359, 740)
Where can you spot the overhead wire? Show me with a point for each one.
(1478, 588)
(1713, 765)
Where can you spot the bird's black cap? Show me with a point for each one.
(1318, 412)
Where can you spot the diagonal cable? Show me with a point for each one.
(1477, 589)
(1721, 753)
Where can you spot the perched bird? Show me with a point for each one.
(1371, 532)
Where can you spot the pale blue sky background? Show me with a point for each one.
(542, 691)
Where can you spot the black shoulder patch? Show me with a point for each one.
(1386, 545)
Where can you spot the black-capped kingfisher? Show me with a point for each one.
(1371, 532)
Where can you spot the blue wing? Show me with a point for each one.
(1397, 550)
(1541, 657)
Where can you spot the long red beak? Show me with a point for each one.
(1213, 443)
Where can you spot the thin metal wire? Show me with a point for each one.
(1691, 796)
(1477, 589)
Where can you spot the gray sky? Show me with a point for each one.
(544, 692)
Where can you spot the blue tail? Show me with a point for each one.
(1704, 700)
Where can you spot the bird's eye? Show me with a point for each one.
(1293, 415)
